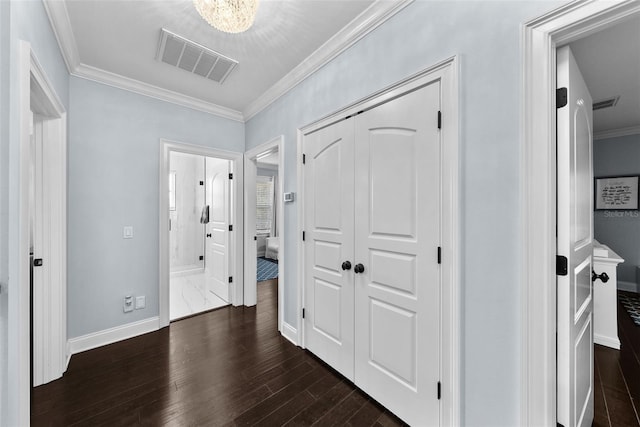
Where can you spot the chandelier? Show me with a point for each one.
(230, 16)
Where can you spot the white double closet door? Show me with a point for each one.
(372, 198)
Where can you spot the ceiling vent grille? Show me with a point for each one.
(193, 57)
(605, 103)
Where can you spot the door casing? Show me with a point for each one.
(447, 72)
(541, 37)
(237, 235)
(36, 92)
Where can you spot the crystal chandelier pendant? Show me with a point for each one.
(230, 16)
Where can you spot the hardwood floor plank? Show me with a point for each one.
(330, 398)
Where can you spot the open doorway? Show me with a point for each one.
(543, 264)
(222, 175)
(264, 223)
(609, 61)
(199, 219)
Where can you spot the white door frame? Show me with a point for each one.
(447, 72)
(237, 205)
(250, 289)
(36, 91)
(541, 37)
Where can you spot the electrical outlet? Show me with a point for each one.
(140, 302)
(128, 304)
(127, 232)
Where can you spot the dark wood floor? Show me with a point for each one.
(226, 367)
(617, 377)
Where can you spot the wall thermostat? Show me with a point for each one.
(289, 197)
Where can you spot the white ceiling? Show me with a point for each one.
(118, 40)
(610, 64)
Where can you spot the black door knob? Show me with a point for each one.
(359, 268)
(604, 277)
(346, 265)
(208, 234)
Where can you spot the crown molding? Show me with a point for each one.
(61, 25)
(374, 16)
(116, 80)
(615, 133)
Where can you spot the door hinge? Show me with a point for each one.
(230, 227)
(561, 265)
(304, 159)
(439, 390)
(230, 279)
(230, 176)
(439, 255)
(255, 237)
(201, 257)
(303, 313)
(561, 97)
(303, 236)
(439, 120)
(201, 182)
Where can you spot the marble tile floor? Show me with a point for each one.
(189, 296)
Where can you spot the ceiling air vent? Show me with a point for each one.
(193, 57)
(605, 103)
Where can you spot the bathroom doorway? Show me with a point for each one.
(199, 219)
(201, 231)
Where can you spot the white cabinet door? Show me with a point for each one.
(575, 242)
(328, 216)
(217, 230)
(397, 234)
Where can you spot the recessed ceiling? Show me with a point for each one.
(609, 61)
(121, 38)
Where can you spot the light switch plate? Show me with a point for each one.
(127, 232)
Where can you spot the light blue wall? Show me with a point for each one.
(486, 38)
(27, 21)
(4, 211)
(114, 149)
(620, 230)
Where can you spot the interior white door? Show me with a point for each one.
(397, 210)
(575, 242)
(217, 230)
(328, 219)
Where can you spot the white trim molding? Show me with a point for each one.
(616, 133)
(61, 25)
(290, 333)
(540, 38)
(447, 73)
(111, 335)
(374, 16)
(136, 86)
(236, 241)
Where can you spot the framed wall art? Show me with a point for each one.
(619, 193)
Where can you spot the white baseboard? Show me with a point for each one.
(109, 336)
(628, 286)
(612, 342)
(290, 333)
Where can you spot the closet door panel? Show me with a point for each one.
(328, 224)
(397, 233)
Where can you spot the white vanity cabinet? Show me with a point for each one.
(605, 304)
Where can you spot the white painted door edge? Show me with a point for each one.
(249, 243)
(540, 38)
(447, 71)
(237, 238)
